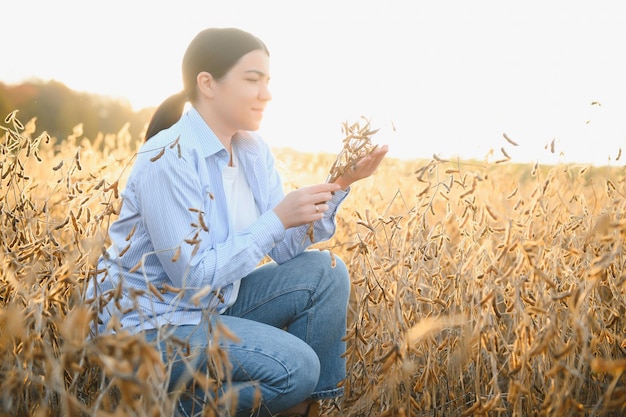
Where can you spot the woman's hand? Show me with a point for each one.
(363, 168)
(305, 205)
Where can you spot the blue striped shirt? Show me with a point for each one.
(174, 252)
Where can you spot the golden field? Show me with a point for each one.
(494, 289)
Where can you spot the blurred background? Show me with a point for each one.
(447, 78)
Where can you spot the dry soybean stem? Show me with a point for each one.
(357, 144)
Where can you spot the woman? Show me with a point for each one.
(202, 208)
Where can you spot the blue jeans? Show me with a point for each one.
(289, 320)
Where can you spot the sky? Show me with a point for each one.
(447, 78)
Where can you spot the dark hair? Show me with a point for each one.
(214, 50)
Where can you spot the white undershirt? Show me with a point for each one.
(240, 201)
(239, 197)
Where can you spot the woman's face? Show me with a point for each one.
(241, 95)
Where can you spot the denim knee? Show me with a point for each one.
(307, 374)
(336, 272)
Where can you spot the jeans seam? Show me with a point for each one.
(287, 371)
(310, 290)
(181, 408)
(276, 397)
(326, 394)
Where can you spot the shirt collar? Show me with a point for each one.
(207, 142)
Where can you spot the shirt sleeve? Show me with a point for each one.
(168, 192)
(298, 239)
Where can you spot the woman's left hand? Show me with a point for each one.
(363, 168)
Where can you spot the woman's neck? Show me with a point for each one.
(224, 134)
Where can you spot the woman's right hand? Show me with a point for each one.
(305, 205)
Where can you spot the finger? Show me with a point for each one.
(381, 149)
(320, 197)
(323, 197)
(381, 152)
(364, 165)
(325, 187)
(321, 207)
(375, 158)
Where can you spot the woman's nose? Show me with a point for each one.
(265, 93)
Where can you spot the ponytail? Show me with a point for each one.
(167, 114)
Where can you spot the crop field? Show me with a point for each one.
(478, 288)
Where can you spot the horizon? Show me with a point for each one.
(493, 157)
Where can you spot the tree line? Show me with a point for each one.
(59, 109)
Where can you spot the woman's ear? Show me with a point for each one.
(206, 83)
